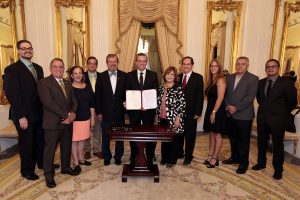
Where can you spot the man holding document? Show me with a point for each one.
(141, 101)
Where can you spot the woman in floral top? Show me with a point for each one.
(170, 111)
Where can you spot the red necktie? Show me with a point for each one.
(184, 82)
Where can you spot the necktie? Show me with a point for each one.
(93, 82)
(184, 82)
(62, 85)
(269, 86)
(32, 70)
(141, 80)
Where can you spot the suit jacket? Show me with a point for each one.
(193, 95)
(108, 104)
(21, 91)
(242, 96)
(87, 80)
(276, 107)
(150, 82)
(56, 105)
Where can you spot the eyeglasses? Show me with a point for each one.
(271, 66)
(213, 65)
(26, 49)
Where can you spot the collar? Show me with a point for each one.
(26, 62)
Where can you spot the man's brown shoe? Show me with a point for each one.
(99, 155)
(87, 155)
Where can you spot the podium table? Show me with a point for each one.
(141, 134)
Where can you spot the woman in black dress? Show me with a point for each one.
(215, 115)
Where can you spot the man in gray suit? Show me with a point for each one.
(241, 92)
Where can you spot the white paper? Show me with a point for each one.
(137, 99)
(133, 100)
(149, 98)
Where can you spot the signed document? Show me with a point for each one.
(137, 99)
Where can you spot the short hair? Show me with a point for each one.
(112, 56)
(187, 57)
(82, 70)
(90, 58)
(141, 54)
(273, 60)
(21, 42)
(169, 70)
(56, 59)
(243, 58)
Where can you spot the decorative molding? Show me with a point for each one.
(275, 21)
(7, 3)
(71, 3)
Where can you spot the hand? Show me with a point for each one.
(93, 122)
(72, 116)
(66, 121)
(23, 123)
(212, 117)
(124, 104)
(100, 117)
(231, 109)
(197, 117)
(177, 122)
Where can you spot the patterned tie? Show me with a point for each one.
(269, 86)
(184, 82)
(62, 85)
(32, 70)
(112, 73)
(93, 82)
(141, 80)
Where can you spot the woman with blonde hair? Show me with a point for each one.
(215, 115)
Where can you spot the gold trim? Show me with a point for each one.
(23, 18)
(288, 8)
(275, 21)
(71, 4)
(225, 6)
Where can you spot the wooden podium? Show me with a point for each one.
(141, 135)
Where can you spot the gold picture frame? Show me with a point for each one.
(72, 4)
(223, 6)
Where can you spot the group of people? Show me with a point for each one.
(52, 110)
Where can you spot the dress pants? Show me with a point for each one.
(263, 135)
(96, 137)
(168, 149)
(239, 136)
(31, 146)
(150, 146)
(63, 136)
(189, 135)
(119, 148)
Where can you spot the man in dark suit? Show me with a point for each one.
(276, 96)
(240, 94)
(110, 95)
(142, 79)
(192, 85)
(60, 106)
(92, 78)
(26, 108)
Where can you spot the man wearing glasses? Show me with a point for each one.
(276, 96)
(26, 108)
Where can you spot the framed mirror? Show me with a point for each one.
(223, 27)
(72, 24)
(12, 28)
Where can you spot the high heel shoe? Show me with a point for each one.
(206, 162)
(213, 165)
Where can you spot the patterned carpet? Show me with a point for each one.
(180, 182)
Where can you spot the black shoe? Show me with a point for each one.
(85, 162)
(213, 165)
(31, 176)
(118, 162)
(77, 168)
(206, 162)
(169, 165)
(277, 175)
(50, 183)
(230, 161)
(187, 162)
(70, 171)
(258, 167)
(242, 169)
(106, 162)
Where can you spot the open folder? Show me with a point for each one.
(141, 99)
